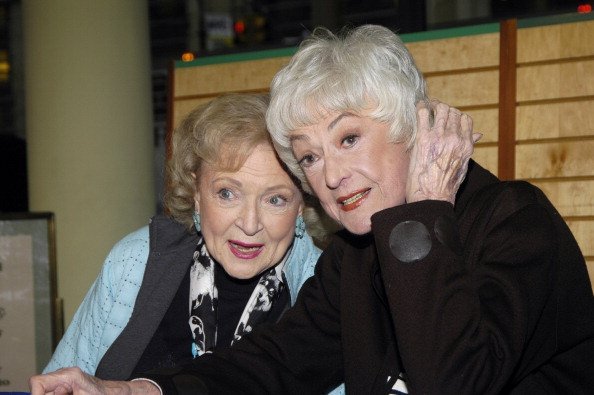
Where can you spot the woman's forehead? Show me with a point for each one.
(262, 154)
(231, 155)
(329, 121)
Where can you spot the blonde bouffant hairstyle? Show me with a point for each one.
(224, 132)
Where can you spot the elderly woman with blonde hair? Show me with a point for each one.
(230, 255)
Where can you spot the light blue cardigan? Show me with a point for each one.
(108, 305)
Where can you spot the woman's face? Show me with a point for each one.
(248, 217)
(352, 167)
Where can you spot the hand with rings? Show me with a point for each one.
(440, 155)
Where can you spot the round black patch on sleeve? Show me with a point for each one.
(410, 241)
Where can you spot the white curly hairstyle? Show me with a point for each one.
(366, 68)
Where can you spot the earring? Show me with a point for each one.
(299, 227)
(196, 218)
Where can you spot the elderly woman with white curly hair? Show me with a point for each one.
(444, 280)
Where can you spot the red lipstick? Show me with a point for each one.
(352, 201)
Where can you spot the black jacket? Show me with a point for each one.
(490, 296)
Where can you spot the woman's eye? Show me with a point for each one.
(350, 140)
(278, 200)
(225, 194)
(306, 160)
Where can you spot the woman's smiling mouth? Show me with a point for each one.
(244, 250)
(351, 202)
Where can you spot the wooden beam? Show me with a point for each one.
(507, 99)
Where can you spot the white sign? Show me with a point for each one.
(219, 30)
(17, 313)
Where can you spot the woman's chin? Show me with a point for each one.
(358, 228)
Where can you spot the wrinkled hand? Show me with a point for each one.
(75, 381)
(439, 158)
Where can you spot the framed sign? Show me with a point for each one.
(30, 315)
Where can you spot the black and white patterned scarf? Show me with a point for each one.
(204, 297)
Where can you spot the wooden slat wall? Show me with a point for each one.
(195, 85)
(464, 72)
(555, 121)
(553, 113)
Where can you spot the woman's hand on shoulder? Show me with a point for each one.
(440, 155)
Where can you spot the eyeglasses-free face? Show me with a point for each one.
(248, 216)
(352, 167)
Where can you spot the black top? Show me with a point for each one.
(500, 304)
(233, 295)
(171, 343)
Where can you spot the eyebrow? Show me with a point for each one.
(298, 137)
(339, 118)
(331, 126)
(239, 184)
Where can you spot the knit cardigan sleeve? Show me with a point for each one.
(107, 306)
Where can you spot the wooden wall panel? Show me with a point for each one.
(468, 89)
(470, 52)
(486, 122)
(252, 75)
(571, 198)
(554, 120)
(555, 81)
(583, 231)
(560, 41)
(555, 159)
(486, 156)
(590, 266)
